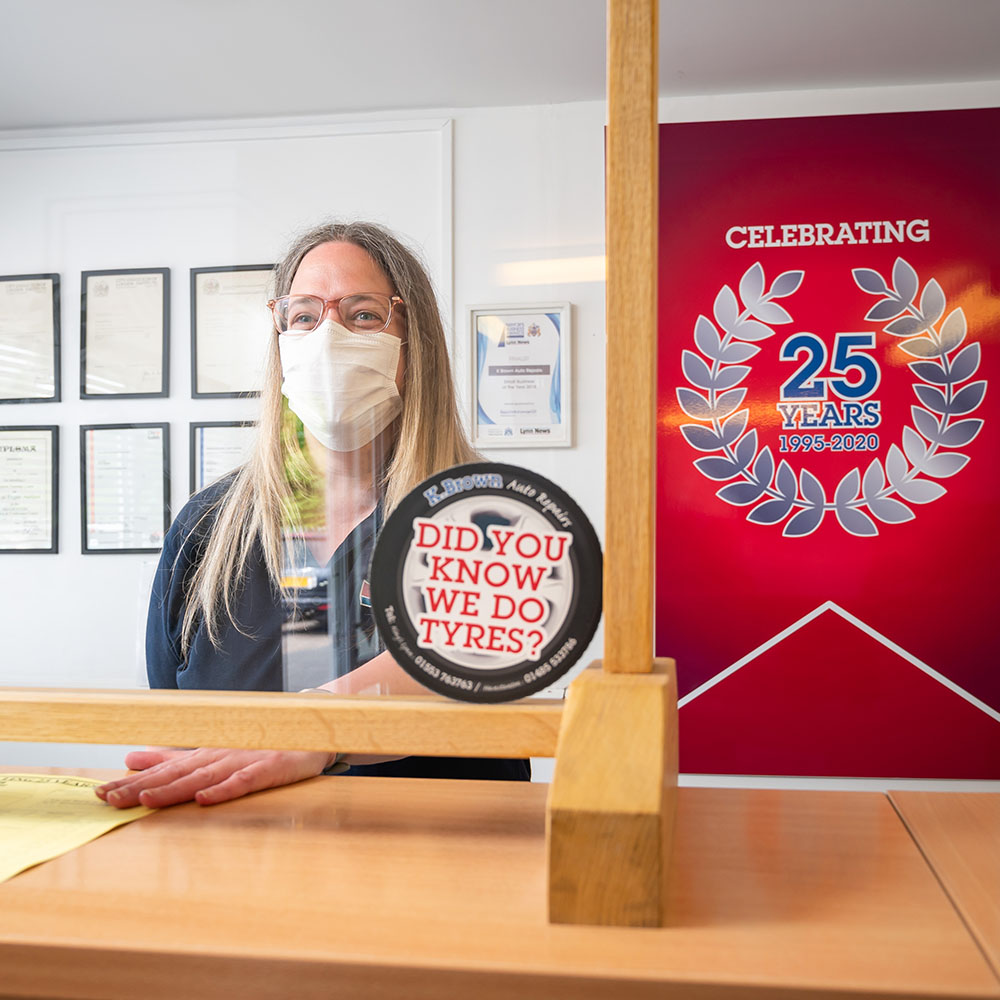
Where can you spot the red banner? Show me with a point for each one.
(828, 485)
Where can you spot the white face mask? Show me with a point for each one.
(341, 385)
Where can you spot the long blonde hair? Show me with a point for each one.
(258, 506)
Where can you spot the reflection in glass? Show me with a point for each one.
(331, 525)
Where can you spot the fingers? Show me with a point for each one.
(125, 792)
(139, 760)
(187, 785)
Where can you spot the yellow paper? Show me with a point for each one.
(45, 815)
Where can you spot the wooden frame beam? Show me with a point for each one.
(422, 725)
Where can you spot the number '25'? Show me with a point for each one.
(861, 371)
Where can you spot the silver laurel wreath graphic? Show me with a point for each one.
(885, 490)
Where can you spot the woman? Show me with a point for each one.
(358, 407)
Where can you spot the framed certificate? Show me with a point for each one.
(230, 326)
(218, 447)
(29, 489)
(521, 377)
(124, 333)
(124, 487)
(29, 338)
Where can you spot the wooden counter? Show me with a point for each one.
(431, 889)
(959, 834)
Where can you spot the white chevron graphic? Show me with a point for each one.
(857, 623)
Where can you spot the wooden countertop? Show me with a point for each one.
(424, 889)
(959, 834)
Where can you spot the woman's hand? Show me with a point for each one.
(208, 776)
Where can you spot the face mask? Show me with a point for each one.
(341, 385)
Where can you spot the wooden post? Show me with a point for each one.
(611, 804)
(631, 225)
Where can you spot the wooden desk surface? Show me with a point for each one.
(959, 833)
(424, 889)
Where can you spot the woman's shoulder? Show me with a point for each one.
(195, 519)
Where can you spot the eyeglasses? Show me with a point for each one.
(364, 312)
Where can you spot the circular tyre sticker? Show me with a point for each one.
(486, 582)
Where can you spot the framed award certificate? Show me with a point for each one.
(230, 326)
(29, 489)
(218, 447)
(521, 379)
(124, 487)
(29, 338)
(124, 333)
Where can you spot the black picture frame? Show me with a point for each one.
(56, 396)
(196, 392)
(84, 486)
(53, 430)
(193, 429)
(164, 389)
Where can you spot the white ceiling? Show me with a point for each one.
(95, 62)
